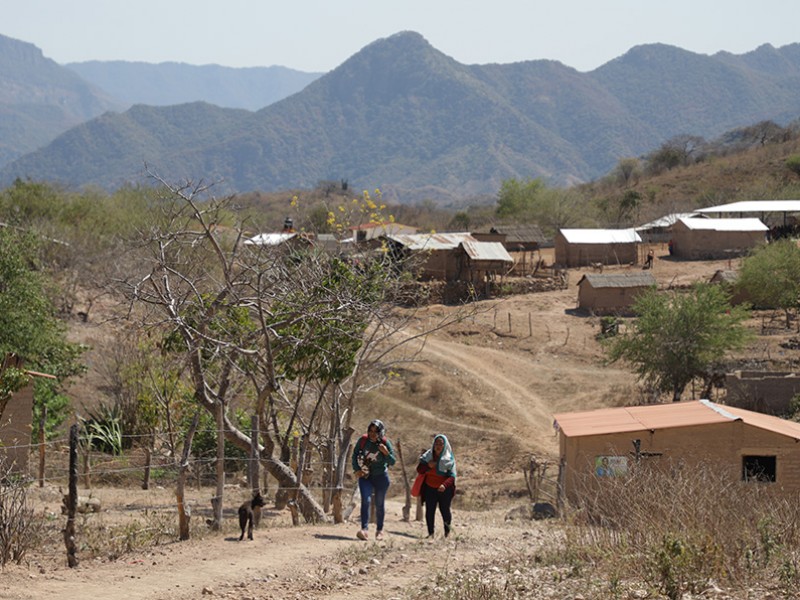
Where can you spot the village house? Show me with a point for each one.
(612, 294)
(747, 445)
(709, 239)
(657, 231)
(583, 247)
(450, 256)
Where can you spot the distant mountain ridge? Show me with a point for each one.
(40, 99)
(169, 83)
(404, 117)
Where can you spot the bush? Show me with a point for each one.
(793, 163)
(17, 525)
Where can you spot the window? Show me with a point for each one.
(758, 468)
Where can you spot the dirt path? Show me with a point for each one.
(323, 561)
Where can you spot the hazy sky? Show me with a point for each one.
(318, 35)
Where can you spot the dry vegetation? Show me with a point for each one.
(492, 384)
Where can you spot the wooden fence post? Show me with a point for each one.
(42, 420)
(72, 499)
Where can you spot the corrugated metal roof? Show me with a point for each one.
(269, 239)
(748, 224)
(665, 416)
(755, 206)
(668, 220)
(601, 236)
(725, 275)
(522, 233)
(431, 241)
(486, 251)
(598, 280)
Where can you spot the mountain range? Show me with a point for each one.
(401, 116)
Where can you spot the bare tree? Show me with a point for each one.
(297, 332)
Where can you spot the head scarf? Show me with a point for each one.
(446, 464)
(377, 424)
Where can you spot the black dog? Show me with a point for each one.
(246, 514)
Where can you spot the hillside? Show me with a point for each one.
(40, 99)
(169, 83)
(404, 117)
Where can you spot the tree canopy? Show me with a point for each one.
(678, 336)
(770, 276)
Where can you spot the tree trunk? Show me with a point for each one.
(279, 470)
(216, 501)
(183, 513)
(341, 469)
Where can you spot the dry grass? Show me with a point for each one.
(678, 530)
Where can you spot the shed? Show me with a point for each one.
(745, 445)
(604, 294)
(708, 239)
(483, 261)
(582, 247)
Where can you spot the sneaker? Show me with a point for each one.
(379, 536)
(362, 534)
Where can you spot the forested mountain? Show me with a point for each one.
(170, 83)
(40, 99)
(404, 117)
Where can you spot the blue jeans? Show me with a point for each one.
(378, 483)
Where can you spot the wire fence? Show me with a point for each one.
(98, 468)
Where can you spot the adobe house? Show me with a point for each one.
(582, 247)
(15, 430)
(604, 294)
(769, 392)
(609, 442)
(16, 421)
(708, 239)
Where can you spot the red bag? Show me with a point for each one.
(416, 489)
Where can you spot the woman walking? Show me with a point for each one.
(372, 457)
(438, 465)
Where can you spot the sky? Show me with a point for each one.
(319, 35)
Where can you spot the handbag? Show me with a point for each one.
(416, 489)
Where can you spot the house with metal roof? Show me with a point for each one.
(708, 239)
(748, 446)
(657, 231)
(582, 247)
(450, 256)
(612, 294)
